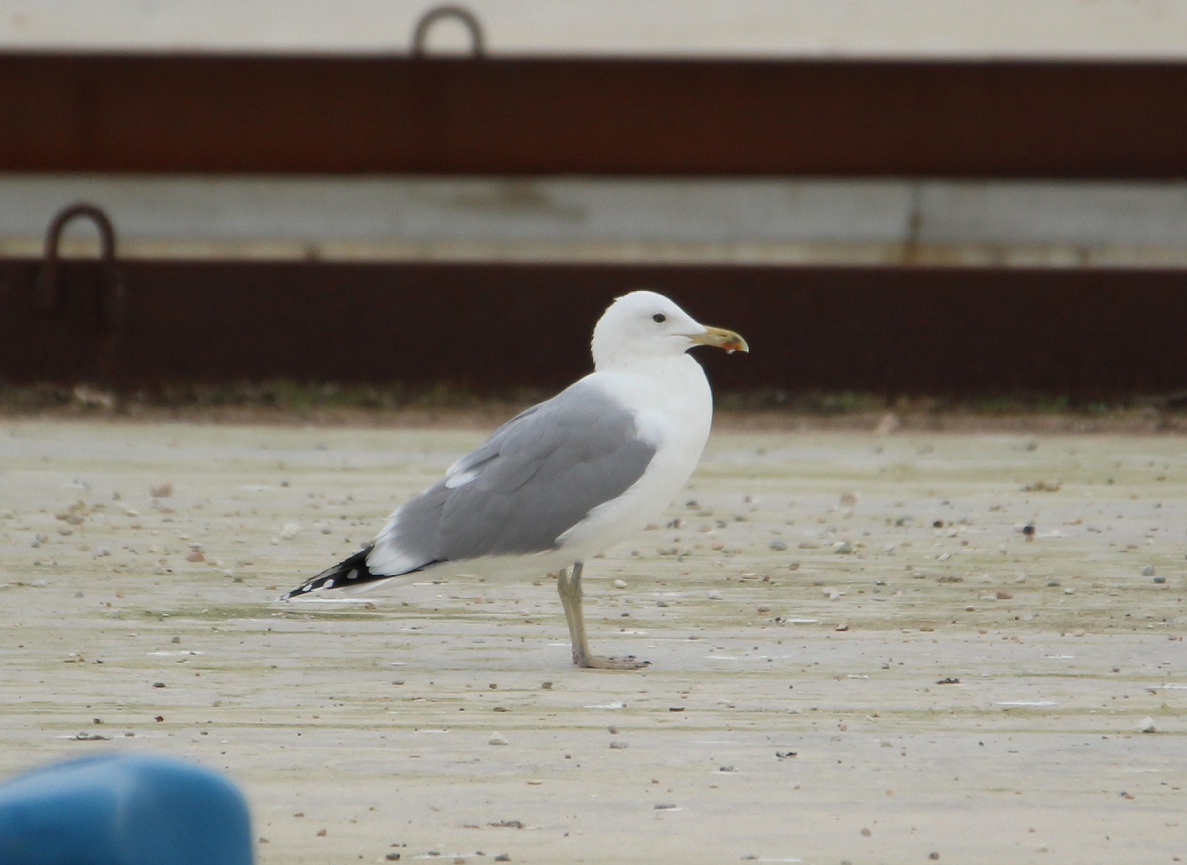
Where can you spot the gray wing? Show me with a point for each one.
(535, 478)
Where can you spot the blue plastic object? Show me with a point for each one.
(123, 810)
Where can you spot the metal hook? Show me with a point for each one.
(112, 293)
(461, 13)
(47, 283)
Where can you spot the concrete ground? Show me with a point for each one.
(861, 653)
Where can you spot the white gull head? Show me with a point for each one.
(644, 324)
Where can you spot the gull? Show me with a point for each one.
(565, 479)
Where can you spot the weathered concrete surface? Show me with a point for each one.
(842, 28)
(756, 221)
(858, 655)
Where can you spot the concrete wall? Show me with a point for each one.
(744, 221)
(836, 28)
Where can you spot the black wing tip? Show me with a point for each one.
(350, 571)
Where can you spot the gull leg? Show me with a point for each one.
(568, 586)
(570, 592)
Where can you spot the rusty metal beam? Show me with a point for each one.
(203, 113)
(1083, 334)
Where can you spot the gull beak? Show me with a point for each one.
(721, 338)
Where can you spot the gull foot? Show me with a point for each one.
(601, 662)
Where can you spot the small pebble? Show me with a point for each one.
(843, 547)
(778, 545)
(1147, 726)
(1148, 571)
(290, 531)
(620, 584)
(497, 739)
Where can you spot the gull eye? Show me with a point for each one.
(659, 318)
